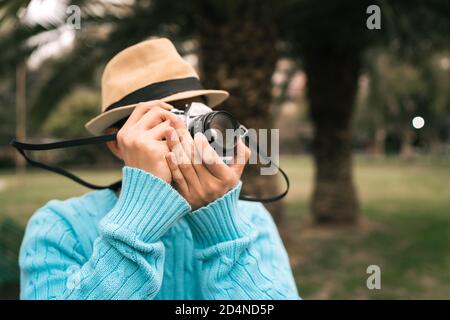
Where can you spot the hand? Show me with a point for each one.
(199, 174)
(141, 139)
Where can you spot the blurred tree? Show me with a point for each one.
(6, 107)
(399, 90)
(331, 39)
(237, 42)
(67, 121)
(69, 117)
(436, 74)
(237, 45)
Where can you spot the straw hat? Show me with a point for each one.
(149, 70)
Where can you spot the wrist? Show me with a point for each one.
(147, 207)
(219, 221)
(160, 170)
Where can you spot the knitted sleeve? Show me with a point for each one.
(241, 252)
(127, 257)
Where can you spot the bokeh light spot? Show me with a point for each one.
(418, 122)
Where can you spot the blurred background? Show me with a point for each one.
(359, 90)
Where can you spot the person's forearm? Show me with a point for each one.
(127, 258)
(239, 261)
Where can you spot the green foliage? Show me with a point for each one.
(239, 41)
(397, 90)
(300, 24)
(10, 238)
(67, 122)
(7, 112)
(68, 119)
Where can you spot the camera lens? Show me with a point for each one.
(215, 127)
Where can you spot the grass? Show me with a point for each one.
(404, 227)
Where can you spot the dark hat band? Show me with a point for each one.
(158, 90)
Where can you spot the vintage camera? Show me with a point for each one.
(220, 128)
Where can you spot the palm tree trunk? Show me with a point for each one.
(406, 151)
(380, 142)
(240, 57)
(332, 85)
(21, 114)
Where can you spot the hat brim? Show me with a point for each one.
(100, 123)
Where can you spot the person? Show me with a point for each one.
(176, 229)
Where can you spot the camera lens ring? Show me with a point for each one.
(208, 119)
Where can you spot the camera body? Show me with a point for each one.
(220, 128)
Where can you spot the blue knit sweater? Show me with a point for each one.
(147, 244)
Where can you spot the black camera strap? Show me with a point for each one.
(22, 147)
(254, 147)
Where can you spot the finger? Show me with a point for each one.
(142, 108)
(186, 141)
(177, 176)
(159, 131)
(187, 144)
(241, 157)
(165, 105)
(184, 135)
(172, 139)
(183, 161)
(154, 117)
(210, 158)
(184, 151)
(179, 124)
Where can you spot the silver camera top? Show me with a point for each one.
(193, 109)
